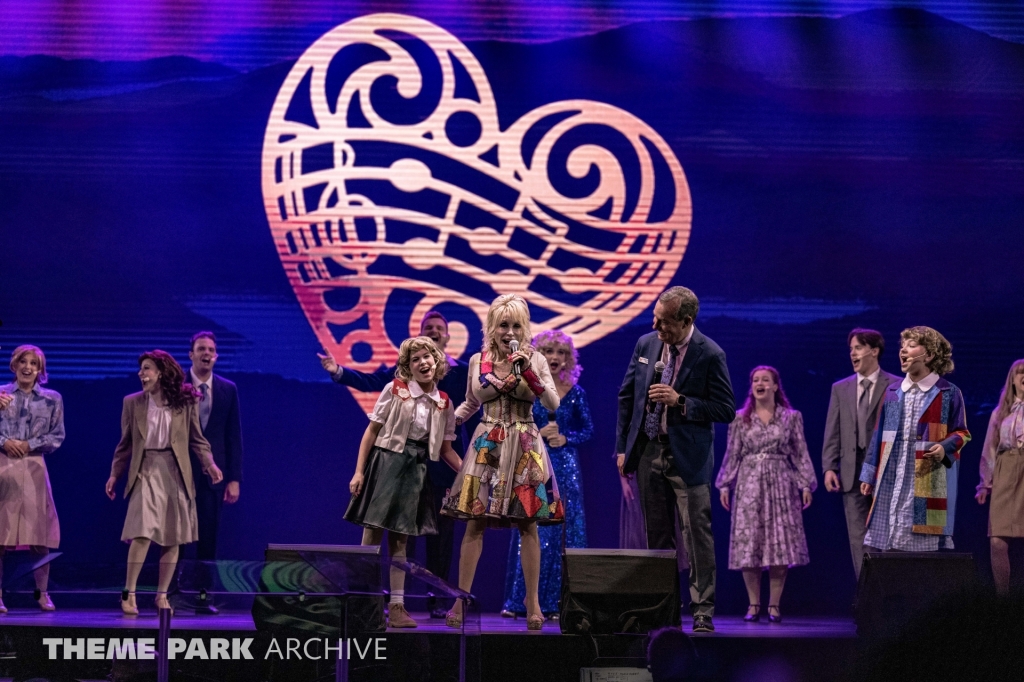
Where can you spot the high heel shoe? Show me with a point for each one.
(505, 613)
(453, 619)
(774, 617)
(753, 613)
(45, 603)
(534, 621)
(161, 602)
(128, 607)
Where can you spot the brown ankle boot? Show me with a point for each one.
(398, 617)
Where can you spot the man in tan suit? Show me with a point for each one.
(852, 412)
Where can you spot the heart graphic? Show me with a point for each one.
(391, 190)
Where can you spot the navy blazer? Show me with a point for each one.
(224, 431)
(703, 381)
(453, 383)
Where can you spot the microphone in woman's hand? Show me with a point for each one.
(513, 346)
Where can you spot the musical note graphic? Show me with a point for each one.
(391, 189)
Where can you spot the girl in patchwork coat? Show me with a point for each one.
(913, 459)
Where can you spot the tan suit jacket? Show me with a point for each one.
(185, 433)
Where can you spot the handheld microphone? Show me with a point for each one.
(659, 368)
(513, 346)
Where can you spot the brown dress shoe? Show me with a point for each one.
(398, 617)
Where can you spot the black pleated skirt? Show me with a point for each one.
(397, 494)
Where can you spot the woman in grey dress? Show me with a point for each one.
(31, 426)
(158, 426)
(767, 465)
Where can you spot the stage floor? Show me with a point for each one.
(497, 650)
(490, 624)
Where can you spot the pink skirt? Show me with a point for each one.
(27, 515)
(159, 508)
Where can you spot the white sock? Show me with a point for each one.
(398, 597)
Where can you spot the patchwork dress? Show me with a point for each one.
(574, 422)
(506, 474)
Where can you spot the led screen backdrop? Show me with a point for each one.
(320, 176)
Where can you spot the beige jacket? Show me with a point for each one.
(185, 433)
(398, 418)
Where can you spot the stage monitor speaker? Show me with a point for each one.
(607, 591)
(897, 586)
(320, 568)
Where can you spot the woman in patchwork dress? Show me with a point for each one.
(506, 476)
(767, 465)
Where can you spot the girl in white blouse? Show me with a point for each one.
(411, 422)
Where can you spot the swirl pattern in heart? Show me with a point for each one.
(391, 189)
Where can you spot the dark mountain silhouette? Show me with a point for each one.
(81, 78)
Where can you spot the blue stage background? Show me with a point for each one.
(846, 169)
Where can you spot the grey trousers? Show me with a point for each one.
(664, 496)
(856, 507)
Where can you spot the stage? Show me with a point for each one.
(800, 648)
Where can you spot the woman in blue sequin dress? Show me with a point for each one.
(563, 431)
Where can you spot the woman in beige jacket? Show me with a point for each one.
(158, 426)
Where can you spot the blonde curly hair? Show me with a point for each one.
(935, 344)
(410, 346)
(514, 306)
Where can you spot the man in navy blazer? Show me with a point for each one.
(665, 435)
(222, 427)
(434, 325)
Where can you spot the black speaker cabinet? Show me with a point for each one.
(606, 591)
(897, 586)
(313, 569)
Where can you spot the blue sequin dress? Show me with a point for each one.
(573, 418)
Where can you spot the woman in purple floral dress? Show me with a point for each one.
(767, 466)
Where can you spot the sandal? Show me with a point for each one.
(534, 621)
(753, 613)
(774, 617)
(128, 606)
(453, 620)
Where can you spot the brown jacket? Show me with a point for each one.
(185, 433)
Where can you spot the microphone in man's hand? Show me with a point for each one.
(659, 368)
(517, 368)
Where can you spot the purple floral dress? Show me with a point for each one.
(767, 466)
